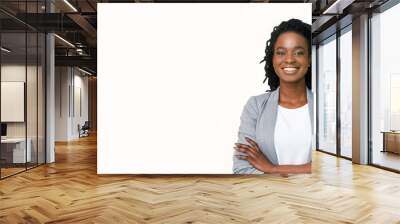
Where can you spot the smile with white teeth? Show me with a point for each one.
(290, 70)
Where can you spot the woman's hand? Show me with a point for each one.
(254, 156)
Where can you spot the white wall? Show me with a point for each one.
(68, 83)
(80, 83)
(62, 80)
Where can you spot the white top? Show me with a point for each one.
(293, 137)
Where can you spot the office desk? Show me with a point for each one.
(391, 141)
(13, 150)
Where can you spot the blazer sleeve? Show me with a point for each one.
(247, 128)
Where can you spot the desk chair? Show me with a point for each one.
(84, 130)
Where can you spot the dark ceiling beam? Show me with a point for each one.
(49, 22)
(331, 30)
(84, 61)
(338, 6)
(81, 21)
(86, 51)
(86, 26)
(91, 5)
(15, 18)
(320, 23)
(329, 14)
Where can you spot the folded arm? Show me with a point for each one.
(258, 160)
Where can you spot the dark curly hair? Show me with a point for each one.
(292, 25)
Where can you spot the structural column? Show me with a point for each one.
(50, 92)
(360, 90)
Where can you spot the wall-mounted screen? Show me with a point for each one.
(12, 101)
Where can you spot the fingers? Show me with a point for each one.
(249, 155)
(252, 151)
(252, 143)
(246, 149)
(243, 146)
(246, 157)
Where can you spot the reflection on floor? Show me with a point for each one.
(10, 169)
(387, 159)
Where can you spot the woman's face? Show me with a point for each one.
(291, 58)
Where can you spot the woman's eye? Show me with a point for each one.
(280, 53)
(299, 53)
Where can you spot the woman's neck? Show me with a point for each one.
(292, 95)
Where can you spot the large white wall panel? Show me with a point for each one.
(173, 80)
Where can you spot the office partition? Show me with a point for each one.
(22, 77)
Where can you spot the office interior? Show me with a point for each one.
(48, 80)
(48, 76)
(357, 83)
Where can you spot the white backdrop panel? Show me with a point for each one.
(173, 80)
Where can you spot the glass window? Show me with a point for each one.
(385, 89)
(346, 92)
(327, 96)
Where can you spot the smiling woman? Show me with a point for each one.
(275, 134)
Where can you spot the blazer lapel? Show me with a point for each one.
(271, 109)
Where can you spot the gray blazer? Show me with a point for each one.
(257, 122)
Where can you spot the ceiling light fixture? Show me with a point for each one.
(338, 6)
(70, 5)
(86, 72)
(5, 50)
(64, 40)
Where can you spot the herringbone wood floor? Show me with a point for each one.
(70, 191)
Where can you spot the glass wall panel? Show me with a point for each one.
(41, 98)
(385, 89)
(32, 88)
(327, 95)
(13, 89)
(22, 88)
(346, 92)
(31, 101)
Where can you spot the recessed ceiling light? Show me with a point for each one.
(64, 40)
(70, 5)
(5, 50)
(338, 6)
(84, 71)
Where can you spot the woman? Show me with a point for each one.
(275, 134)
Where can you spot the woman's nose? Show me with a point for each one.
(289, 58)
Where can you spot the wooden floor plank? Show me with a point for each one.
(70, 191)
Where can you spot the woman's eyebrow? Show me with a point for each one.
(284, 48)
